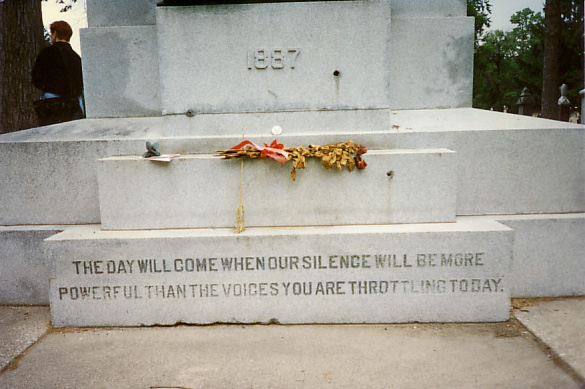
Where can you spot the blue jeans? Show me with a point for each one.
(49, 95)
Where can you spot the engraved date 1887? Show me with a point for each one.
(275, 58)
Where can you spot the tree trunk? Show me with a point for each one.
(21, 38)
(551, 69)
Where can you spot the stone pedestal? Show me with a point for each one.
(202, 191)
(267, 57)
(355, 274)
(457, 211)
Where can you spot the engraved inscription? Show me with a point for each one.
(278, 58)
(349, 274)
(273, 289)
(268, 263)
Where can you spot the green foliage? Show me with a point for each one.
(480, 10)
(506, 62)
(572, 48)
(47, 37)
(527, 53)
(494, 72)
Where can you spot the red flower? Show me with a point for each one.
(361, 150)
(360, 163)
(274, 151)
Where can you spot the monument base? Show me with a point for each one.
(24, 278)
(449, 272)
(202, 191)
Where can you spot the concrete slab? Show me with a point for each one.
(427, 8)
(209, 65)
(24, 278)
(559, 324)
(266, 57)
(537, 169)
(509, 164)
(203, 191)
(423, 76)
(124, 84)
(106, 13)
(549, 254)
(20, 327)
(372, 356)
(435, 272)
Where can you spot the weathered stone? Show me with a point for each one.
(402, 9)
(356, 64)
(279, 51)
(548, 254)
(121, 77)
(25, 269)
(509, 164)
(202, 191)
(355, 274)
(109, 13)
(421, 75)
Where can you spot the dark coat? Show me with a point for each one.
(51, 73)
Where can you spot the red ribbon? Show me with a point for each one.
(274, 151)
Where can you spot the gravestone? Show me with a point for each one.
(426, 232)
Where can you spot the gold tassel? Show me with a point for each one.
(239, 225)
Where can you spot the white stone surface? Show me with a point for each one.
(509, 164)
(523, 171)
(50, 181)
(20, 328)
(120, 71)
(549, 255)
(25, 270)
(49, 174)
(292, 123)
(366, 56)
(428, 8)
(559, 324)
(431, 63)
(274, 56)
(473, 287)
(198, 191)
(109, 13)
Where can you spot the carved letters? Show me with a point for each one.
(261, 59)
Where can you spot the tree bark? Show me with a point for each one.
(21, 38)
(551, 67)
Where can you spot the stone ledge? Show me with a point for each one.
(450, 272)
(25, 270)
(549, 254)
(202, 191)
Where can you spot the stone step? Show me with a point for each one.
(200, 191)
(438, 272)
(548, 254)
(506, 164)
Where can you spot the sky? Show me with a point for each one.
(503, 9)
(77, 17)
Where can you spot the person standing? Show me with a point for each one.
(57, 73)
